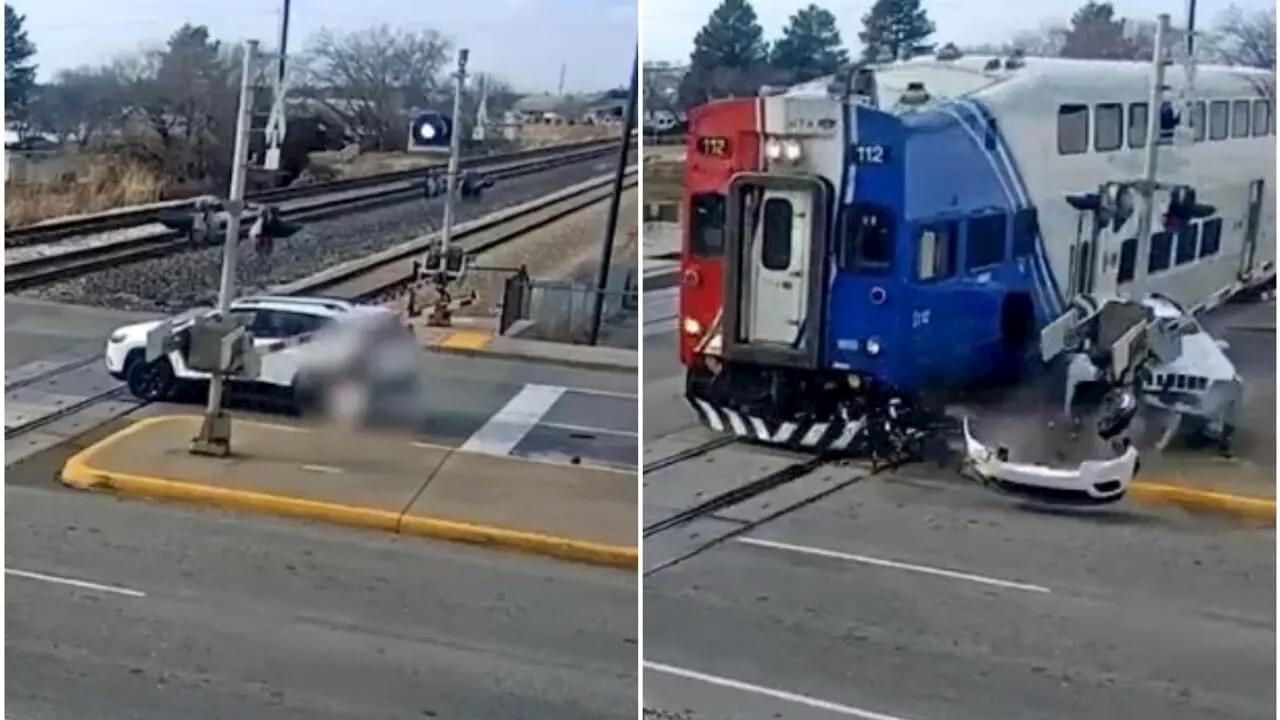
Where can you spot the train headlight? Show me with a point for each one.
(692, 326)
(773, 149)
(791, 150)
(873, 346)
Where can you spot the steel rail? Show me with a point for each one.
(40, 270)
(48, 231)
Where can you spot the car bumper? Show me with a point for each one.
(1093, 482)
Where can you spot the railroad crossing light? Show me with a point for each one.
(430, 132)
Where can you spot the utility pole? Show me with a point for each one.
(610, 226)
(560, 86)
(439, 316)
(215, 430)
(1151, 155)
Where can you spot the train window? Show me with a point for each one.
(1073, 129)
(1161, 252)
(1211, 237)
(868, 240)
(1137, 125)
(1197, 120)
(775, 244)
(706, 220)
(1128, 261)
(1026, 228)
(984, 241)
(936, 252)
(1261, 117)
(1188, 237)
(1219, 111)
(1108, 127)
(1240, 119)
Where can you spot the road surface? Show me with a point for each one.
(120, 610)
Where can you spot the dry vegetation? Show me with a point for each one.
(663, 179)
(104, 183)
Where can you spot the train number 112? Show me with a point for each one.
(870, 154)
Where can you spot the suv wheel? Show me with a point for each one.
(152, 382)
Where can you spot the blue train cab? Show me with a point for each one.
(938, 273)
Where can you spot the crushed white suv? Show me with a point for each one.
(306, 344)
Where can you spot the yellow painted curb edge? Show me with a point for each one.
(467, 340)
(77, 473)
(1194, 500)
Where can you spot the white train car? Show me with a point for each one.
(1063, 127)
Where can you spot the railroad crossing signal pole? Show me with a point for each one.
(441, 315)
(1151, 155)
(611, 224)
(214, 437)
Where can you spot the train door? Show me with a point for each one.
(777, 287)
(1253, 226)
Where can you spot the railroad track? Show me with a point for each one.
(711, 521)
(386, 275)
(43, 269)
(53, 230)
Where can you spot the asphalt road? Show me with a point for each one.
(924, 598)
(198, 615)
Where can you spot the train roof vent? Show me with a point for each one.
(947, 52)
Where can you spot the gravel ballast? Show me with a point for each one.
(177, 282)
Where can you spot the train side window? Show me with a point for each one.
(1219, 111)
(775, 243)
(936, 252)
(1137, 125)
(868, 240)
(1197, 120)
(985, 241)
(1073, 129)
(1188, 237)
(1211, 237)
(1026, 228)
(1128, 261)
(1161, 252)
(1240, 119)
(706, 221)
(1108, 127)
(1261, 117)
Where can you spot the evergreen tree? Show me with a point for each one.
(1097, 34)
(894, 29)
(19, 73)
(729, 53)
(810, 46)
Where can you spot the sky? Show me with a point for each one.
(522, 41)
(668, 26)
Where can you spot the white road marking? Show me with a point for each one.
(327, 469)
(567, 427)
(896, 565)
(72, 582)
(508, 426)
(602, 393)
(831, 707)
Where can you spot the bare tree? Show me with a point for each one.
(371, 79)
(1247, 38)
(79, 106)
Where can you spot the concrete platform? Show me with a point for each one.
(384, 482)
(487, 343)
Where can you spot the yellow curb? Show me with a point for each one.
(77, 473)
(1253, 508)
(467, 340)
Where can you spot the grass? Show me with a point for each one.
(102, 183)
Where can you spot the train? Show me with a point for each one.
(853, 245)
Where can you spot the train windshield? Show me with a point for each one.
(706, 224)
(866, 243)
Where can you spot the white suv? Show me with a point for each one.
(306, 344)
